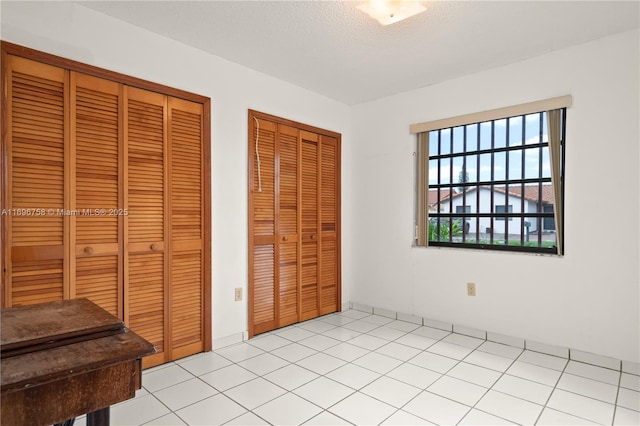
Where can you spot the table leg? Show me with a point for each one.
(98, 418)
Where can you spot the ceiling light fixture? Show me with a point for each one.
(391, 11)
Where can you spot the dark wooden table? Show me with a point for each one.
(60, 360)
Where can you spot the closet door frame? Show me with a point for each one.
(7, 48)
(252, 116)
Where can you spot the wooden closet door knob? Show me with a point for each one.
(313, 236)
(154, 246)
(88, 250)
(285, 238)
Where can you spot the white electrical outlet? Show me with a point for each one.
(238, 294)
(471, 289)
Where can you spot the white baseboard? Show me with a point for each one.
(559, 351)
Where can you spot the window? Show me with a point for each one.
(499, 181)
(501, 210)
(548, 224)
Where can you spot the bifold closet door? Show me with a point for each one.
(275, 253)
(288, 221)
(309, 288)
(294, 269)
(329, 272)
(63, 184)
(106, 195)
(36, 228)
(145, 233)
(95, 195)
(263, 299)
(320, 212)
(187, 228)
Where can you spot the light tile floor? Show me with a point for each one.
(361, 369)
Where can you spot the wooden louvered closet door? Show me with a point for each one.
(187, 227)
(329, 178)
(310, 241)
(95, 195)
(263, 301)
(287, 214)
(294, 246)
(106, 195)
(276, 217)
(36, 230)
(145, 264)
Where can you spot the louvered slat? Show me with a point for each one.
(186, 174)
(288, 182)
(328, 185)
(96, 176)
(309, 186)
(96, 279)
(264, 284)
(146, 171)
(36, 281)
(329, 276)
(264, 183)
(288, 284)
(186, 298)
(146, 297)
(37, 160)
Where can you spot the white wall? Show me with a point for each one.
(586, 300)
(78, 33)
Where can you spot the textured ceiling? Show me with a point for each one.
(332, 48)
